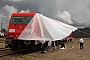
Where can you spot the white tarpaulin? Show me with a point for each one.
(47, 29)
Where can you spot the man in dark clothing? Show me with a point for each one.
(42, 47)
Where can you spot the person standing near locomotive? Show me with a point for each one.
(42, 47)
(81, 41)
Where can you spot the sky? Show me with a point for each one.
(73, 12)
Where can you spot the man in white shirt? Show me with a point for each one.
(81, 43)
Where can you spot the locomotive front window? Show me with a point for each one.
(27, 19)
(21, 20)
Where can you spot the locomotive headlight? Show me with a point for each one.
(11, 35)
(11, 30)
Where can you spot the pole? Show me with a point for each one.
(1, 24)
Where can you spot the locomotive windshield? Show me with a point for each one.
(21, 19)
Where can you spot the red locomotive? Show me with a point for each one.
(17, 24)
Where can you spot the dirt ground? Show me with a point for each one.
(67, 54)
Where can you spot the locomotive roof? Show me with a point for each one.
(24, 14)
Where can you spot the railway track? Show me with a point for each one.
(7, 51)
(4, 49)
(2, 40)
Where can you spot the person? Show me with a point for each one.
(72, 43)
(63, 43)
(42, 47)
(81, 43)
(49, 44)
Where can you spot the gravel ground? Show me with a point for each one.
(67, 54)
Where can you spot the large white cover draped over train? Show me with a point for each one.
(47, 29)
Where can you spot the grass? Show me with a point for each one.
(68, 54)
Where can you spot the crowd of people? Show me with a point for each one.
(62, 43)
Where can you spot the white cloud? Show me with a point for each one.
(80, 9)
(7, 10)
(5, 14)
(24, 11)
(65, 17)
